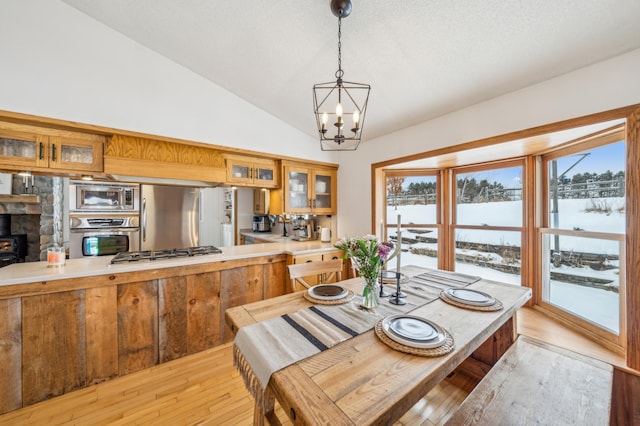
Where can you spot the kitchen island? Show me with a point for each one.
(65, 328)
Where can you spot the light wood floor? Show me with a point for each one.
(205, 388)
(200, 389)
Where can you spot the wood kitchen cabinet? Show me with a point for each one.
(309, 190)
(28, 148)
(76, 332)
(248, 171)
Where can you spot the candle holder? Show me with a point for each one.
(396, 298)
(383, 293)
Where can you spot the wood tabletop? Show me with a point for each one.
(363, 381)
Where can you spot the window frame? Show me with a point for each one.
(439, 205)
(453, 225)
(613, 341)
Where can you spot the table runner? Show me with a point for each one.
(261, 349)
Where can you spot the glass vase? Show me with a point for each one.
(370, 290)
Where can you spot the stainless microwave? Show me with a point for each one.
(87, 197)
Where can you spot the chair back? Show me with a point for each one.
(324, 271)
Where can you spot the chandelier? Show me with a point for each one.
(340, 107)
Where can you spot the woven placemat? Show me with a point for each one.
(345, 299)
(445, 348)
(490, 308)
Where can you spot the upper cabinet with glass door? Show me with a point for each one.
(309, 190)
(22, 148)
(248, 171)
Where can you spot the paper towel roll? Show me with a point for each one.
(325, 235)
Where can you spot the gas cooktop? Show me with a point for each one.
(151, 255)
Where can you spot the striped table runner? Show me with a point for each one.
(261, 349)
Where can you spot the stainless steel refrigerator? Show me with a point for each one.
(169, 217)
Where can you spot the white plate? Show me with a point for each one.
(470, 297)
(328, 292)
(425, 334)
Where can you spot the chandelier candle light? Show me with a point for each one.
(339, 99)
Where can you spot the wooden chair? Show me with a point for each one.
(324, 271)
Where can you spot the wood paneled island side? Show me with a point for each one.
(62, 329)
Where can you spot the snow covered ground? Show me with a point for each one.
(596, 305)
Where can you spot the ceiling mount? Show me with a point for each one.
(341, 8)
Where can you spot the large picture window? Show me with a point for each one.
(583, 240)
(552, 208)
(487, 221)
(413, 201)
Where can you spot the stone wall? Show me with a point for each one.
(37, 220)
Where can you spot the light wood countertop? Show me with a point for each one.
(32, 272)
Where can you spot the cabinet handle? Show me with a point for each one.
(53, 152)
(41, 151)
(250, 173)
(309, 261)
(309, 203)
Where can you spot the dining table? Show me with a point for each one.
(362, 380)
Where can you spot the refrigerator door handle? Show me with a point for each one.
(144, 219)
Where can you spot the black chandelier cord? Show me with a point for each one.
(339, 72)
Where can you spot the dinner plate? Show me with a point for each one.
(413, 331)
(328, 292)
(470, 297)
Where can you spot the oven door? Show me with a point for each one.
(103, 242)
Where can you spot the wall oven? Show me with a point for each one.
(103, 235)
(96, 197)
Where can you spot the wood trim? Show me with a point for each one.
(529, 247)
(593, 332)
(613, 114)
(446, 254)
(145, 168)
(625, 408)
(66, 125)
(633, 238)
(605, 137)
(26, 199)
(163, 152)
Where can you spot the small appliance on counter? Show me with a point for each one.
(261, 223)
(325, 235)
(306, 230)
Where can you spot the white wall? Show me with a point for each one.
(56, 62)
(600, 87)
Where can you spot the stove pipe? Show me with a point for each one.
(5, 225)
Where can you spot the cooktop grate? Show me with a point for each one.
(151, 255)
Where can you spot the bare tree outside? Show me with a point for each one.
(394, 187)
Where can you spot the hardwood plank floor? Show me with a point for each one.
(199, 389)
(205, 389)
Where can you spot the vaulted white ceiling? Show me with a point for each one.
(423, 58)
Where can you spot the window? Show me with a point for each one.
(412, 201)
(583, 241)
(488, 221)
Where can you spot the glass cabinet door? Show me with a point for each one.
(22, 150)
(75, 154)
(297, 190)
(240, 171)
(324, 197)
(265, 174)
